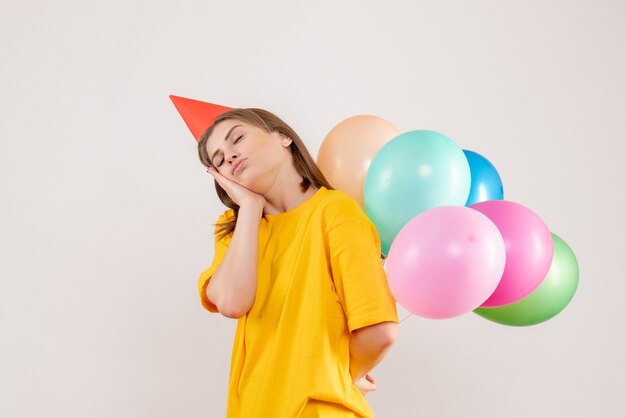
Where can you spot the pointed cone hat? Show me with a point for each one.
(197, 115)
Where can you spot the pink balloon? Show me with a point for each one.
(529, 250)
(445, 262)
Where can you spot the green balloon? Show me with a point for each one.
(551, 297)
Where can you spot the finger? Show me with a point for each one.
(367, 386)
(218, 177)
(212, 171)
(218, 180)
(224, 182)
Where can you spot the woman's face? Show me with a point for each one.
(248, 155)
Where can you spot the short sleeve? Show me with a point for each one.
(221, 245)
(358, 274)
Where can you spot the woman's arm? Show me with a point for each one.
(369, 345)
(232, 287)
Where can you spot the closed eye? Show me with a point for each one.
(236, 140)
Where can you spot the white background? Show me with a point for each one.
(106, 213)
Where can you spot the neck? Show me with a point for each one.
(287, 194)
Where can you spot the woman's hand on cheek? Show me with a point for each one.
(241, 195)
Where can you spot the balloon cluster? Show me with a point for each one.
(452, 243)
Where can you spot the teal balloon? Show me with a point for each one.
(415, 171)
(551, 297)
(486, 181)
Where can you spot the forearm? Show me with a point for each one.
(367, 349)
(233, 285)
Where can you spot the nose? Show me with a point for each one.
(232, 158)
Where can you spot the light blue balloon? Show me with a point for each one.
(486, 182)
(415, 171)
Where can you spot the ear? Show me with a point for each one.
(285, 141)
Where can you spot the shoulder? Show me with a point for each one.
(338, 207)
(226, 215)
(220, 226)
(344, 220)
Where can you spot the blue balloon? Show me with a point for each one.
(486, 182)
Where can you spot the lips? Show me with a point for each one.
(236, 166)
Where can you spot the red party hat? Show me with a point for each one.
(197, 115)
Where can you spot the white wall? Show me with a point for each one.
(106, 213)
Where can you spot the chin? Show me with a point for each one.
(259, 183)
(244, 183)
(254, 187)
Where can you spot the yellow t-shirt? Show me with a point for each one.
(319, 278)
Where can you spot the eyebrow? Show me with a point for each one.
(225, 138)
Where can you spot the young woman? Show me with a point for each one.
(298, 264)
